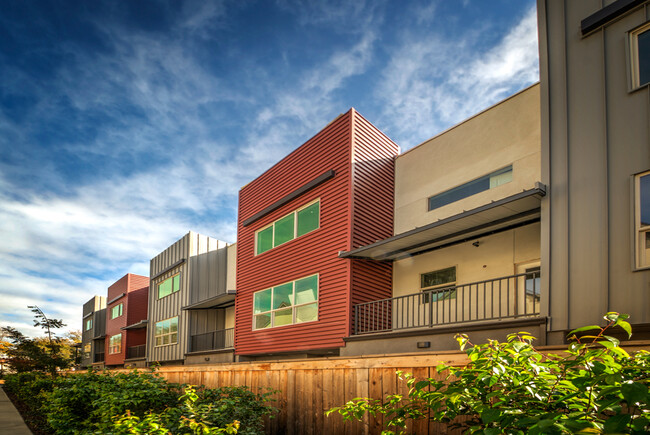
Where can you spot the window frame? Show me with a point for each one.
(170, 333)
(632, 51)
(89, 324)
(171, 277)
(295, 227)
(506, 169)
(640, 232)
(121, 310)
(429, 291)
(112, 346)
(293, 306)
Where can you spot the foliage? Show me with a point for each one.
(136, 402)
(594, 387)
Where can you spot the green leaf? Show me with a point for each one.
(617, 423)
(490, 415)
(634, 392)
(626, 327)
(584, 328)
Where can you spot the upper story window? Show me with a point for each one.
(89, 324)
(489, 181)
(286, 304)
(642, 219)
(437, 285)
(169, 286)
(117, 311)
(639, 54)
(289, 227)
(166, 331)
(115, 344)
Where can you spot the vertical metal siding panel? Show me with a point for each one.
(316, 252)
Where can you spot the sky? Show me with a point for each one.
(126, 124)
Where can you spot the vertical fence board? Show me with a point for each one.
(375, 391)
(291, 401)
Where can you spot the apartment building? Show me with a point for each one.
(191, 302)
(465, 250)
(93, 332)
(333, 193)
(126, 320)
(595, 112)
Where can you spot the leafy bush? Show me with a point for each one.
(512, 388)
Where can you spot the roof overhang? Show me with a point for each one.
(224, 300)
(510, 212)
(116, 298)
(88, 315)
(99, 337)
(139, 325)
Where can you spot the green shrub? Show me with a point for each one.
(512, 388)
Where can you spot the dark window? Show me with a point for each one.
(644, 57)
(463, 191)
(438, 285)
(533, 281)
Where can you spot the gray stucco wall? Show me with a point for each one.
(595, 137)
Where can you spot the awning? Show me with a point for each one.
(511, 212)
(221, 301)
(139, 325)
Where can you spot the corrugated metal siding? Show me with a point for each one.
(315, 252)
(373, 187)
(208, 270)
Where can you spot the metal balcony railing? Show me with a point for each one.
(136, 351)
(215, 340)
(99, 357)
(507, 297)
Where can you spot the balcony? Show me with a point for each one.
(215, 340)
(99, 357)
(136, 351)
(509, 297)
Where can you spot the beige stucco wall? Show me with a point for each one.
(231, 275)
(507, 133)
(496, 256)
(230, 318)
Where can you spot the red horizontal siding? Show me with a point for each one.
(315, 252)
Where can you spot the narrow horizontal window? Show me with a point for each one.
(490, 181)
(438, 284)
(295, 224)
(166, 332)
(169, 286)
(286, 304)
(116, 311)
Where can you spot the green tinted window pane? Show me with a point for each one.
(176, 283)
(283, 317)
(262, 301)
(164, 288)
(307, 313)
(438, 277)
(283, 296)
(158, 341)
(174, 337)
(307, 290)
(165, 339)
(262, 321)
(159, 328)
(165, 327)
(173, 327)
(308, 219)
(264, 240)
(283, 230)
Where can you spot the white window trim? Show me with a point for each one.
(632, 52)
(169, 333)
(295, 226)
(640, 261)
(294, 323)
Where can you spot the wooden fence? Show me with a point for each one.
(309, 387)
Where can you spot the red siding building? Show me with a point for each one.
(334, 193)
(126, 314)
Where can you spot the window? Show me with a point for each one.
(295, 224)
(86, 350)
(115, 344)
(286, 304)
(116, 311)
(166, 332)
(487, 182)
(642, 218)
(89, 324)
(533, 281)
(639, 54)
(437, 285)
(169, 286)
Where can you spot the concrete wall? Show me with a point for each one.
(595, 137)
(505, 134)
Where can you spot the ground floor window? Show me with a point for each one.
(286, 304)
(166, 332)
(438, 284)
(642, 218)
(87, 350)
(115, 344)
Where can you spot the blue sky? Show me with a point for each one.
(125, 124)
